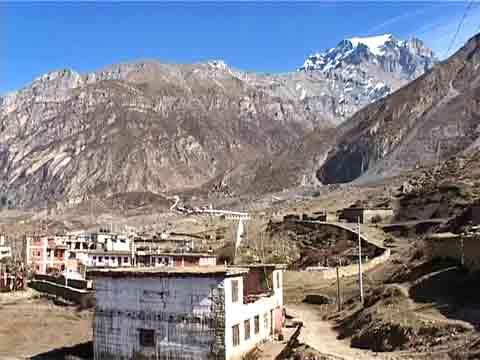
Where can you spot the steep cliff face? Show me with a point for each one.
(429, 120)
(137, 127)
(156, 127)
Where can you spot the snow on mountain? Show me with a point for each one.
(379, 50)
(361, 70)
(375, 44)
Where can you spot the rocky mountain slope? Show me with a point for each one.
(359, 71)
(429, 120)
(156, 127)
(144, 126)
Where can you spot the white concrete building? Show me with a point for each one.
(210, 312)
(118, 242)
(99, 258)
(5, 251)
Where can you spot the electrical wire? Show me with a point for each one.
(460, 24)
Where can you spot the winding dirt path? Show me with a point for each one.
(320, 335)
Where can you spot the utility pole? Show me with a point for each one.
(360, 262)
(339, 299)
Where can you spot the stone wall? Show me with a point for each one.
(82, 297)
(383, 214)
(459, 248)
(471, 250)
(366, 215)
(60, 280)
(349, 270)
(446, 248)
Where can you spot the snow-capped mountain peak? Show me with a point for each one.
(375, 49)
(361, 70)
(376, 44)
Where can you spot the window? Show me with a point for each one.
(236, 335)
(147, 337)
(256, 324)
(271, 322)
(100, 258)
(125, 259)
(246, 327)
(234, 291)
(278, 280)
(94, 258)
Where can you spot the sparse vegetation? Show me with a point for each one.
(376, 219)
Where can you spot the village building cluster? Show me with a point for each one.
(74, 252)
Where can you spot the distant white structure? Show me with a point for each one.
(5, 251)
(228, 214)
(240, 233)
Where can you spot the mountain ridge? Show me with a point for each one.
(150, 126)
(418, 124)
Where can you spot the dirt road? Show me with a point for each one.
(31, 326)
(320, 335)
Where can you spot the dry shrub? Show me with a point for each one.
(376, 219)
(253, 354)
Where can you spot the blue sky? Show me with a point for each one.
(259, 36)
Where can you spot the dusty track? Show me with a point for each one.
(321, 336)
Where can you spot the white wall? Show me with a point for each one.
(118, 243)
(237, 313)
(179, 309)
(107, 260)
(207, 261)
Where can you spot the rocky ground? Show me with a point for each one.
(32, 325)
(408, 313)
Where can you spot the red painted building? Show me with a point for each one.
(45, 254)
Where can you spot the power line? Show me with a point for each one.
(467, 9)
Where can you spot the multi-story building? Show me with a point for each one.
(45, 253)
(210, 312)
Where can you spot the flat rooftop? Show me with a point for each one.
(166, 271)
(264, 266)
(443, 236)
(159, 253)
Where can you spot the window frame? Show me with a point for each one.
(256, 324)
(146, 337)
(246, 329)
(235, 291)
(236, 335)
